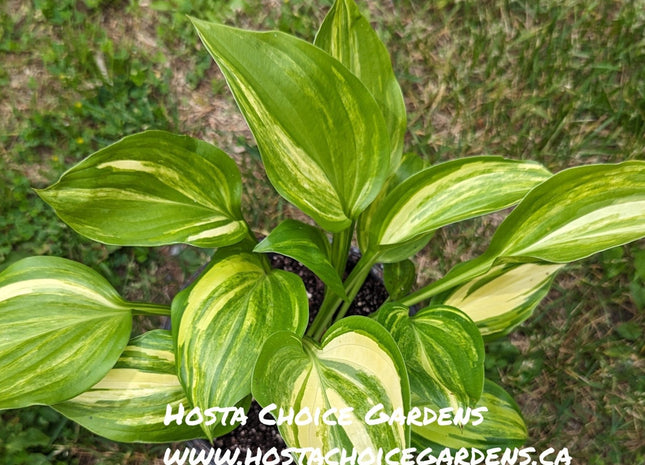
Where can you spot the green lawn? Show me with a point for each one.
(561, 82)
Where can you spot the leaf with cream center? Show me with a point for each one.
(129, 404)
(321, 134)
(356, 367)
(62, 328)
(347, 36)
(443, 352)
(152, 188)
(221, 322)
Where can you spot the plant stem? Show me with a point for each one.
(458, 275)
(340, 244)
(341, 241)
(324, 315)
(352, 285)
(250, 235)
(251, 241)
(355, 281)
(144, 308)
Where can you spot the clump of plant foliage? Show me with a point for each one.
(329, 120)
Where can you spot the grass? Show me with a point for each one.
(555, 81)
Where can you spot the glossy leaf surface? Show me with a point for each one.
(502, 426)
(321, 134)
(451, 192)
(505, 296)
(574, 214)
(152, 188)
(399, 278)
(356, 367)
(578, 212)
(62, 328)
(443, 353)
(221, 322)
(369, 220)
(347, 36)
(129, 403)
(307, 244)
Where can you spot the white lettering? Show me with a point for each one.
(492, 456)
(422, 460)
(177, 458)
(170, 417)
(445, 416)
(375, 421)
(201, 457)
(563, 457)
(267, 411)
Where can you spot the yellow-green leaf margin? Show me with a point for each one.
(321, 135)
(357, 368)
(222, 320)
(129, 404)
(62, 328)
(498, 423)
(153, 188)
(443, 352)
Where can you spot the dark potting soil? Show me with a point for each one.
(254, 434)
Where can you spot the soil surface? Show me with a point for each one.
(255, 434)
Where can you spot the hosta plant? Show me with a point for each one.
(329, 120)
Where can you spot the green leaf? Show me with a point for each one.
(502, 425)
(451, 192)
(307, 244)
(411, 164)
(637, 292)
(577, 213)
(321, 134)
(347, 36)
(443, 353)
(504, 297)
(630, 331)
(399, 278)
(572, 215)
(152, 188)
(221, 322)
(356, 367)
(129, 404)
(63, 327)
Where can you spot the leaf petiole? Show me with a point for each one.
(145, 308)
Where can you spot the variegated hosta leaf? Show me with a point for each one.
(152, 188)
(347, 36)
(578, 212)
(572, 215)
(504, 297)
(443, 352)
(307, 244)
(321, 134)
(221, 322)
(129, 403)
(411, 164)
(399, 278)
(356, 367)
(451, 192)
(502, 425)
(62, 327)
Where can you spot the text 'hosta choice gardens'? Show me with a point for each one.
(329, 121)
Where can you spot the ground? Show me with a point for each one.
(557, 82)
